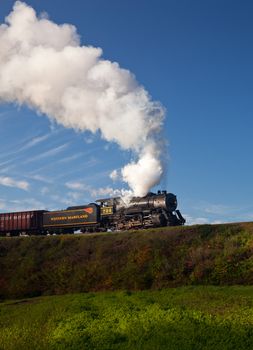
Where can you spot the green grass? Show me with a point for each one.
(178, 318)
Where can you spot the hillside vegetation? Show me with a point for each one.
(148, 259)
(185, 318)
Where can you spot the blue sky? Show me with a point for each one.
(195, 57)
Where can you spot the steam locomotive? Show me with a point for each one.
(109, 214)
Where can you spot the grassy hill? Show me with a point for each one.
(148, 259)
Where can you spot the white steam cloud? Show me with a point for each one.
(43, 66)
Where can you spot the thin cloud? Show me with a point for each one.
(92, 162)
(24, 204)
(35, 141)
(76, 185)
(89, 140)
(70, 158)
(103, 191)
(52, 152)
(24, 145)
(44, 190)
(190, 220)
(6, 162)
(10, 182)
(61, 199)
(75, 195)
(219, 209)
(7, 169)
(94, 192)
(216, 208)
(40, 178)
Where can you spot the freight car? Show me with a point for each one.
(153, 210)
(18, 223)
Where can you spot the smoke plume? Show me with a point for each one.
(43, 66)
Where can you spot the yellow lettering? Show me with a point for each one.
(72, 217)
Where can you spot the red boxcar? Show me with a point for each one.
(21, 222)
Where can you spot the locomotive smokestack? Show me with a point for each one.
(43, 66)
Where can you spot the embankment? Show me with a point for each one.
(148, 259)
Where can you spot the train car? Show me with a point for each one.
(153, 210)
(21, 223)
(85, 218)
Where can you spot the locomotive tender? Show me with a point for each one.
(109, 214)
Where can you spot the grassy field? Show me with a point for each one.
(194, 318)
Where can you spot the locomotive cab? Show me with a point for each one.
(107, 205)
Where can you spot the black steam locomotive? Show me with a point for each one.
(110, 214)
(153, 210)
